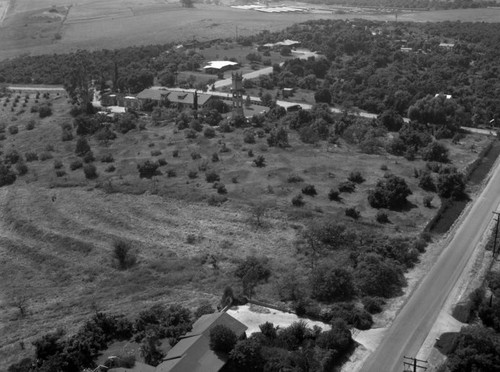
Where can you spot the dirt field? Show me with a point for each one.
(30, 27)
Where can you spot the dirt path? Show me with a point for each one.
(4, 7)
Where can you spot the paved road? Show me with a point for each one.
(36, 88)
(411, 326)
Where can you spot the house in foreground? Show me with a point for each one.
(192, 353)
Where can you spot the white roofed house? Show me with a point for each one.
(214, 67)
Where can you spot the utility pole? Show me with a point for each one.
(496, 232)
(411, 364)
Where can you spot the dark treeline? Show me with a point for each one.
(409, 4)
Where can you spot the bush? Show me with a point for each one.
(13, 129)
(215, 157)
(107, 158)
(249, 137)
(192, 174)
(222, 339)
(209, 132)
(382, 217)
(155, 153)
(216, 200)
(250, 153)
(356, 177)
(148, 169)
(191, 134)
(428, 201)
(44, 111)
(30, 125)
(334, 195)
(298, 201)
(12, 157)
(426, 181)
(175, 153)
(123, 254)
(171, 173)
(294, 178)
(21, 168)
(389, 193)
(195, 155)
(260, 161)
(212, 177)
(58, 164)
(88, 157)
(347, 186)
(221, 188)
(110, 168)
(309, 190)
(352, 212)
(162, 162)
(451, 185)
(331, 284)
(76, 164)
(82, 146)
(90, 171)
(60, 173)
(373, 304)
(7, 176)
(436, 151)
(45, 156)
(67, 135)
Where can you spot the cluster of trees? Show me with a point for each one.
(274, 349)
(409, 4)
(60, 352)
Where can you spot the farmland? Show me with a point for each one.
(63, 26)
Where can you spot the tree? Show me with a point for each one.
(247, 356)
(389, 193)
(451, 185)
(148, 169)
(267, 99)
(278, 137)
(337, 338)
(323, 96)
(251, 272)
(258, 212)
(426, 181)
(331, 284)
(123, 254)
(149, 350)
(82, 146)
(7, 175)
(436, 151)
(222, 339)
(391, 120)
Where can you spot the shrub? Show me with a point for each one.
(309, 190)
(334, 195)
(192, 174)
(82, 146)
(298, 201)
(75, 164)
(45, 156)
(21, 168)
(203, 166)
(216, 200)
(260, 161)
(60, 173)
(221, 188)
(212, 177)
(2, 137)
(195, 155)
(49, 147)
(110, 168)
(30, 125)
(294, 178)
(162, 162)
(58, 164)
(352, 212)
(347, 186)
(7, 176)
(331, 284)
(148, 169)
(426, 181)
(123, 254)
(451, 185)
(356, 177)
(12, 157)
(44, 111)
(250, 153)
(209, 132)
(90, 171)
(249, 137)
(382, 217)
(155, 153)
(436, 151)
(13, 129)
(107, 158)
(278, 137)
(67, 135)
(88, 157)
(428, 201)
(171, 173)
(389, 193)
(215, 157)
(373, 304)
(175, 153)
(191, 134)
(222, 339)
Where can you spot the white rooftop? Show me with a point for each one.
(220, 64)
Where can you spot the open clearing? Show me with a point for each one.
(36, 29)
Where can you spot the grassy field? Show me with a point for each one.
(32, 28)
(56, 233)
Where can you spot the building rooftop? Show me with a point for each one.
(219, 64)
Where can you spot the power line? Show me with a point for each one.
(411, 364)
